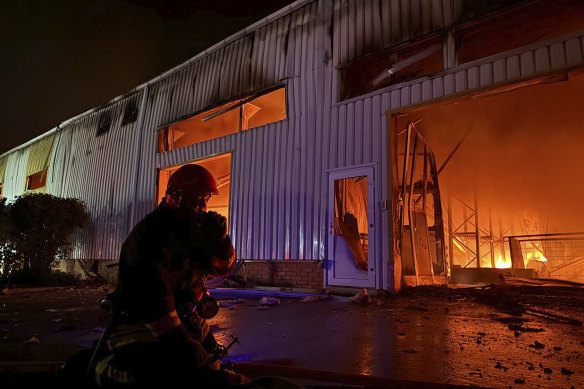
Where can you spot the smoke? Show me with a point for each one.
(525, 153)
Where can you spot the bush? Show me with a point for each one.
(35, 231)
(8, 258)
(26, 278)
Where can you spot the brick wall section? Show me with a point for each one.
(303, 274)
(284, 273)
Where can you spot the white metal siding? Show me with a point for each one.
(15, 174)
(273, 176)
(278, 188)
(98, 170)
(521, 63)
(363, 26)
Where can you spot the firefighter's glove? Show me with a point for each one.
(214, 226)
(221, 351)
(184, 346)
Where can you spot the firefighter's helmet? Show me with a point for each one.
(191, 180)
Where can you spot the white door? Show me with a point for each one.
(351, 217)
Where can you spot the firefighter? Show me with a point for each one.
(163, 265)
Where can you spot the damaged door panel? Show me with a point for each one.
(352, 225)
(421, 231)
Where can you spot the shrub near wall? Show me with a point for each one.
(39, 226)
(8, 260)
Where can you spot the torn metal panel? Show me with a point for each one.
(15, 173)
(3, 162)
(39, 156)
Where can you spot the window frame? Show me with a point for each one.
(131, 111)
(28, 182)
(240, 101)
(231, 153)
(104, 122)
(417, 45)
(476, 25)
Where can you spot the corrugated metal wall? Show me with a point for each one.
(15, 174)
(40, 154)
(278, 185)
(270, 211)
(58, 164)
(363, 26)
(100, 170)
(3, 162)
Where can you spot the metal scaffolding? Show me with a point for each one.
(477, 241)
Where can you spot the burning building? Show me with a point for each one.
(355, 142)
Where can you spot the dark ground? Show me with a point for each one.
(445, 337)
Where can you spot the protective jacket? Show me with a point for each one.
(161, 264)
(164, 254)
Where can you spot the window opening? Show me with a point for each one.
(105, 122)
(236, 116)
(477, 8)
(130, 111)
(379, 70)
(37, 180)
(220, 167)
(529, 24)
(492, 218)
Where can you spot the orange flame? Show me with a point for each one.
(503, 263)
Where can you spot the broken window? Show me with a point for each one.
(131, 111)
(105, 122)
(239, 115)
(476, 8)
(37, 180)
(519, 27)
(220, 167)
(37, 165)
(379, 70)
(351, 219)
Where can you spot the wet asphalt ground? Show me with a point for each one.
(422, 337)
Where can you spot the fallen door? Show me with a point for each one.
(421, 229)
(351, 247)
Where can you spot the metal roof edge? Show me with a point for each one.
(233, 37)
(28, 143)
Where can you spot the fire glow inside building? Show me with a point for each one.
(355, 143)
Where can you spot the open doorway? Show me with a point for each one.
(509, 167)
(220, 167)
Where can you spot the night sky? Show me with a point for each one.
(61, 58)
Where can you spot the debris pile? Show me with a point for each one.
(269, 301)
(361, 298)
(314, 298)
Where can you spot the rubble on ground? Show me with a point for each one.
(470, 338)
(361, 298)
(269, 301)
(314, 298)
